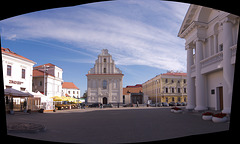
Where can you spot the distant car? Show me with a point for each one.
(172, 104)
(95, 105)
(152, 105)
(128, 105)
(165, 104)
(107, 105)
(179, 104)
(184, 103)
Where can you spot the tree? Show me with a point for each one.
(85, 95)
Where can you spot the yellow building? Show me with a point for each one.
(167, 87)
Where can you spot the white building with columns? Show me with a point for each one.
(211, 43)
(104, 81)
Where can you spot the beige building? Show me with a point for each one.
(167, 87)
(104, 81)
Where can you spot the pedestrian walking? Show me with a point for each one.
(137, 103)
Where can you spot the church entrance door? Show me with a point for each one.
(104, 100)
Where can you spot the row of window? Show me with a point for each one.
(9, 71)
(166, 81)
(167, 90)
(172, 81)
(178, 99)
(178, 90)
(69, 92)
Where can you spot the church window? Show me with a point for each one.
(104, 70)
(104, 84)
(104, 60)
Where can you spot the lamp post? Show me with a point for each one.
(44, 67)
(156, 92)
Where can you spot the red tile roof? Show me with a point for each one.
(136, 86)
(39, 73)
(9, 52)
(49, 64)
(69, 85)
(128, 90)
(175, 74)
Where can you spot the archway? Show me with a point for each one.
(104, 100)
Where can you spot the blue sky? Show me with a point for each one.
(141, 36)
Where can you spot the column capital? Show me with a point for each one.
(199, 40)
(228, 19)
(189, 46)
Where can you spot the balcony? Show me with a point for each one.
(234, 51)
(212, 59)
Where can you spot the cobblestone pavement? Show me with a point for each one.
(114, 125)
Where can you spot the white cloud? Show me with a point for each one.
(130, 41)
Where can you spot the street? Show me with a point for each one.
(113, 125)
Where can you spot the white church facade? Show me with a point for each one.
(104, 81)
(211, 43)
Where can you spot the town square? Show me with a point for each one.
(119, 72)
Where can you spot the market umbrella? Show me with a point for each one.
(56, 98)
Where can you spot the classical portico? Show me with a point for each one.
(211, 48)
(104, 84)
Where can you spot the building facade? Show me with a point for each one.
(104, 81)
(17, 71)
(211, 43)
(17, 74)
(133, 94)
(47, 79)
(70, 89)
(167, 87)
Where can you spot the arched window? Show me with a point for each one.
(104, 70)
(104, 84)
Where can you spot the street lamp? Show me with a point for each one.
(44, 67)
(156, 92)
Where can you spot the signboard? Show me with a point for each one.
(15, 82)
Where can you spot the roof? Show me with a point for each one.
(175, 74)
(128, 90)
(9, 52)
(40, 73)
(187, 19)
(48, 64)
(104, 74)
(136, 86)
(69, 85)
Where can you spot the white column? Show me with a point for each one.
(109, 100)
(200, 91)
(228, 69)
(215, 45)
(191, 102)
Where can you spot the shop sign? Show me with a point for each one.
(15, 82)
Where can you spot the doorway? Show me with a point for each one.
(104, 100)
(220, 98)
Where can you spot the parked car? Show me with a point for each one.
(172, 104)
(128, 105)
(107, 105)
(179, 104)
(165, 104)
(95, 105)
(184, 103)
